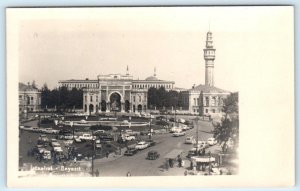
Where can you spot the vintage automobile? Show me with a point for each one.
(150, 142)
(152, 155)
(211, 141)
(50, 131)
(130, 151)
(178, 134)
(141, 145)
(189, 140)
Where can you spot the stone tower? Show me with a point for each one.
(209, 57)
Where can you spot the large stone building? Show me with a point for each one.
(29, 98)
(205, 99)
(116, 92)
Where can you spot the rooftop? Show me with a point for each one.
(208, 89)
(24, 87)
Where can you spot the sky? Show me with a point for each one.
(65, 44)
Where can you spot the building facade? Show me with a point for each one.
(205, 99)
(29, 98)
(116, 92)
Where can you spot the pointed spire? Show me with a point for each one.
(127, 71)
(154, 71)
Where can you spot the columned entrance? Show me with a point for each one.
(115, 102)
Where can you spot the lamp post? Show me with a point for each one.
(71, 124)
(209, 165)
(150, 130)
(197, 124)
(93, 153)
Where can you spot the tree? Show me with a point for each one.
(229, 127)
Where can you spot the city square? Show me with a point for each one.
(128, 127)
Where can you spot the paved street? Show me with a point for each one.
(138, 165)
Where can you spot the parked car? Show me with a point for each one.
(130, 132)
(105, 137)
(82, 121)
(189, 140)
(130, 151)
(178, 134)
(175, 129)
(43, 138)
(87, 137)
(68, 136)
(150, 142)
(64, 131)
(129, 137)
(141, 145)
(50, 131)
(152, 155)
(35, 129)
(211, 141)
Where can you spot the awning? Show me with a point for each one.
(203, 159)
(173, 154)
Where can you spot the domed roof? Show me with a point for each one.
(152, 78)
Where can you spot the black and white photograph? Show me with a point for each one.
(129, 92)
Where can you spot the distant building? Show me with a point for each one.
(29, 98)
(116, 92)
(205, 99)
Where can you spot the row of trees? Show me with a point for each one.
(61, 98)
(160, 98)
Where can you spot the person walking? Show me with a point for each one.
(97, 173)
(185, 173)
(128, 174)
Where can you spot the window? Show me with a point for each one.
(134, 98)
(85, 99)
(31, 98)
(198, 101)
(20, 97)
(96, 98)
(206, 111)
(213, 101)
(91, 98)
(207, 101)
(140, 98)
(194, 101)
(214, 111)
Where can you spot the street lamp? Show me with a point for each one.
(197, 124)
(209, 165)
(150, 130)
(71, 124)
(93, 153)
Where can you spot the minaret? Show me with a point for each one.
(209, 57)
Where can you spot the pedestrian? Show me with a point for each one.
(97, 173)
(185, 173)
(167, 165)
(128, 174)
(107, 153)
(179, 162)
(191, 165)
(75, 160)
